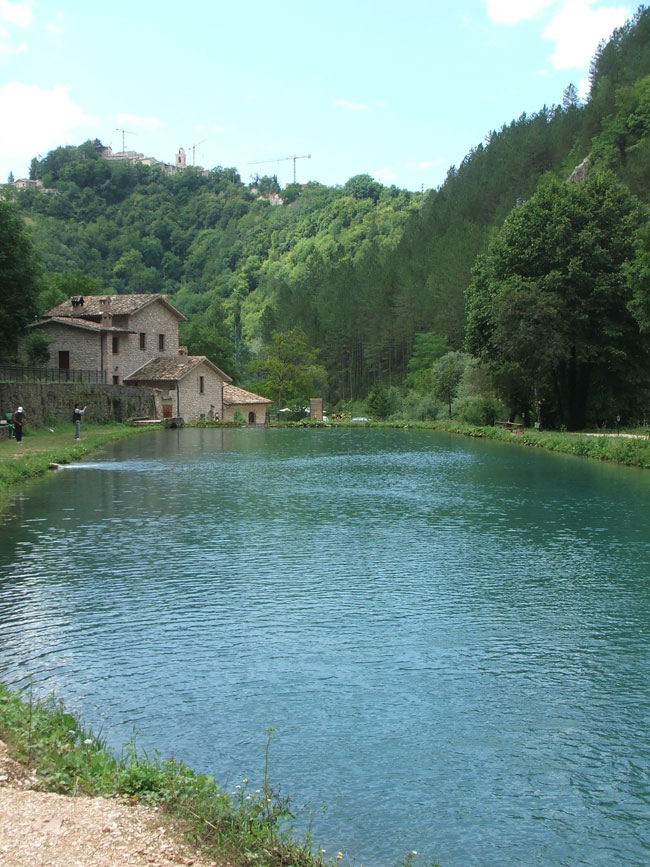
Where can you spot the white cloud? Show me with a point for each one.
(584, 88)
(425, 164)
(351, 106)
(140, 124)
(514, 11)
(385, 175)
(19, 14)
(577, 29)
(35, 121)
(576, 26)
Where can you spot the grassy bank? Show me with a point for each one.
(241, 828)
(631, 448)
(40, 448)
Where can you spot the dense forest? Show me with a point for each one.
(521, 286)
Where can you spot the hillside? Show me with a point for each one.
(364, 271)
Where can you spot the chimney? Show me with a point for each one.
(182, 350)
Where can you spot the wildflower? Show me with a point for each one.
(245, 781)
(88, 741)
(339, 856)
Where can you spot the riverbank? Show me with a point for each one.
(64, 800)
(631, 448)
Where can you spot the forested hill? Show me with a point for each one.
(367, 273)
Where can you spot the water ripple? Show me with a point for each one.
(451, 638)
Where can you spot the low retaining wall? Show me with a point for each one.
(47, 402)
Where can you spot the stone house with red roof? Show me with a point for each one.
(114, 334)
(186, 386)
(133, 340)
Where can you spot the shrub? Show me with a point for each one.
(478, 410)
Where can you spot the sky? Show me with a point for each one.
(398, 90)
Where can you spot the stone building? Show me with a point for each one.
(187, 386)
(251, 406)
(133, 340)
(114, 334)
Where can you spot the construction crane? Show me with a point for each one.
(128, 131)
(194, 147)
(282, 159)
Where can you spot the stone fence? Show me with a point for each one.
(46, 403)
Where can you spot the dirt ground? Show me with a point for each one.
(39, 829)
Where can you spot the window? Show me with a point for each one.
(116, 380)
(201, 385)
(116, 345)
(161, 342)
(143, 340)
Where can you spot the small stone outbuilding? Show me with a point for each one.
(251, 406)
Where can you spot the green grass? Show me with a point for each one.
(632, 451)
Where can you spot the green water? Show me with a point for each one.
(450, 637)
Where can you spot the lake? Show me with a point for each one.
(450, 637)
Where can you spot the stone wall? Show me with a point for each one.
(46, 403)
(152, 321)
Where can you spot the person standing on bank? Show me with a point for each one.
(76, 418)
(18, 422)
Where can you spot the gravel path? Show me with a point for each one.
(40, 829)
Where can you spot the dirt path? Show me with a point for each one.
(39, 829)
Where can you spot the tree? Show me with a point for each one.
(381, 402)
(363, 187)
(289, 368)
(551, 301)
(10, 179)
(209, 335)
(446, 375)
(19, 272)
(36, 347)
(570, 97)
(427, 349)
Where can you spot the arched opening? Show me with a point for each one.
(251, 418)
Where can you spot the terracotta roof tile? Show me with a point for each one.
(95, 305)
(171, 369)
(85, 324)
(234, 395)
